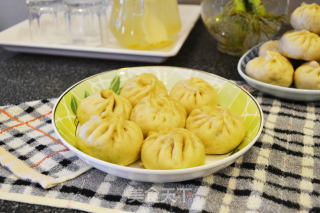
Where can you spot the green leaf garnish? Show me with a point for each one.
(115, 85)
(235, 151)
(74, 105)
(86, 94)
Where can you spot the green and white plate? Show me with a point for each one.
(230, 95)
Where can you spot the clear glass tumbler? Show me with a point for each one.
(47, 21)
(86, 19)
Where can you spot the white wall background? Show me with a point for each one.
(14, 11)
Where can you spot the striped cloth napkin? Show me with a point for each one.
(280, 173)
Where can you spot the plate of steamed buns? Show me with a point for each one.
(288, 68)
(157, 124)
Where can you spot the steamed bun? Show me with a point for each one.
(306, 17)
(220, 129)
(302, 45)
(194, 93)
(172, 149)
(307, 76)
(268, 46)
(154, 113)
(273, 69)
(101, 104)
(111, 139)
(140, 86)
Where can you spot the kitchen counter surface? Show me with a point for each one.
(26, 77)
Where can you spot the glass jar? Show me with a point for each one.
(145, 24)
(238, 25)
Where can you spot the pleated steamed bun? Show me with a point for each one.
(154, 113)
(112, 139)
(272, 45)
(140, 86)
(172, 149)
(307, 76)
(302, 45)
(306, 17)
(273, 69)
(220, 129)
(101, 104)
(194, 93)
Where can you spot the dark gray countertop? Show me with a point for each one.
(26, 77)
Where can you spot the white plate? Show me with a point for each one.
(16, 39)
(230, 95)
(278, 91)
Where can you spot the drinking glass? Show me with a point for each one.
(47, 21)
(86, 19)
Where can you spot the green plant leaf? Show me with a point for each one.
(86, 94)
(235, 151)
(74, 105)
(115, 84)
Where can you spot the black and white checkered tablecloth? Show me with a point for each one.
(280, 173)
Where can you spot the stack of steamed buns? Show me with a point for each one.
(275, 62)
(166, 130)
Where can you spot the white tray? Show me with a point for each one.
(17, 39)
